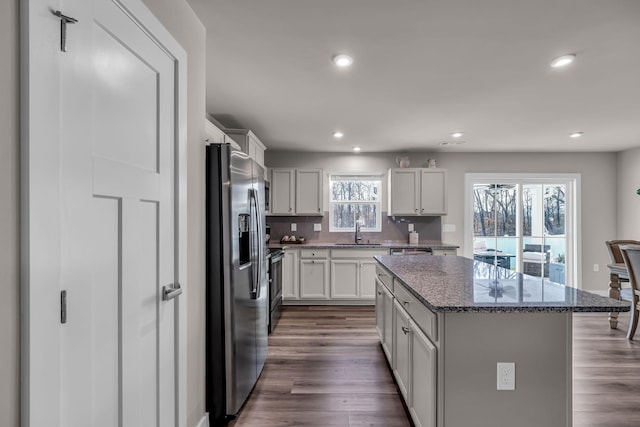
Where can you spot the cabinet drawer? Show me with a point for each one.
(444, 252)
(384, 277)
(314, 253)
(424, 318)
(357, 253)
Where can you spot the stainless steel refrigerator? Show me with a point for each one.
(236, 280)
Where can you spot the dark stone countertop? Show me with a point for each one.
(433, 244)
(457, 284)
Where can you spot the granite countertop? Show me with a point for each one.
(433, 244)
(457, 284)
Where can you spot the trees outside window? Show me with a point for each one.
(527, 222)
(355, 197)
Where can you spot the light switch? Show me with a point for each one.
(294, 226)
(317, 227)
(448, 228)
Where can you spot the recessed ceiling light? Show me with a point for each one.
(563, 61)
(342, 60)
(575, 134)
(456, 134)
(356, 149)
(338, 134)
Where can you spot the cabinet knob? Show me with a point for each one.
(405, 302)
(406, 330)
(416, 209)
(379, 293)
(289, 209)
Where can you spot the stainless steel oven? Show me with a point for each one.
(275, 288)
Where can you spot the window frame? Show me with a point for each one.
(377, 176)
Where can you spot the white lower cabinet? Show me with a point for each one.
(384, 319)
(314, 274)
(290, 284)
(344, 278)
(368, 278)
(423, 378)
(413, 356)
(353, 273)
(401, 347)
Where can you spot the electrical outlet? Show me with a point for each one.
(506, 376)
(410, 227)
(596, 267)
(317, 227)
(294, 226)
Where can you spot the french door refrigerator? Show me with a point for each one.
(236, 280)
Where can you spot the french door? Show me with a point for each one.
(524, 223)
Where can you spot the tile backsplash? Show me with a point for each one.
(393, 229)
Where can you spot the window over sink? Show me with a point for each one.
(355, 197)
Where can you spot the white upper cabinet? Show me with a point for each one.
(417, 191)
(249, 143)
(296, 191)
(309, 191)
(282, 192)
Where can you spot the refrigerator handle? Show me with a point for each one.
(255, 247)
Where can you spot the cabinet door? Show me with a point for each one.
(290, 284)
(344, 278)
(387, 333)
(368, 278)
(282, 191)
(404, 192)
(433, 192)
(423, 378)
(309, 192)
(314, 278)
(401, 343)
(380, 311)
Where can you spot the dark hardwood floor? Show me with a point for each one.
(326, 368)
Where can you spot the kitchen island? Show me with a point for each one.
(446, 322)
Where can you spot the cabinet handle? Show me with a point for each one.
(416, 209)
(406, 330)
(289, 209)
(318, 209)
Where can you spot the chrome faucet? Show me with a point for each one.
(358, 236)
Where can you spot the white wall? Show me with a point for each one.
(628, 201)
(178, 17)
(9, 217)
(597, 201)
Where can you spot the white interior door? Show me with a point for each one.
(120, 114)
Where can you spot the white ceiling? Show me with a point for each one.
(423, 69)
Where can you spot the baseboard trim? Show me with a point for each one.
(204, 422)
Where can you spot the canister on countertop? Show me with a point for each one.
(413, 238)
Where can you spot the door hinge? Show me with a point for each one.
(63, 307)
(64, 20)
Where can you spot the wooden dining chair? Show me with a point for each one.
(631, 257)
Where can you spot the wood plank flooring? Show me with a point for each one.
(326, 368)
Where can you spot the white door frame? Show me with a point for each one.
(40, 204)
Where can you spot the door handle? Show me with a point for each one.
(171, 291)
